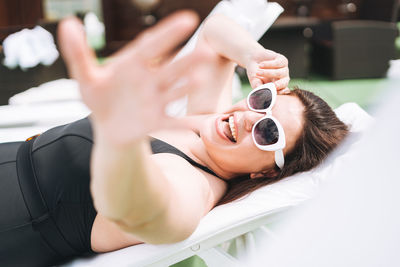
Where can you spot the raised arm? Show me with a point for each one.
(127, 96)
(230, 40)
(232, 44)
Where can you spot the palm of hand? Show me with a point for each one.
(128, 94)
(126, 102)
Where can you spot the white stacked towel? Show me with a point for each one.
(28, 48)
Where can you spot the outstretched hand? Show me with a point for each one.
(267, 66)
(128, 94)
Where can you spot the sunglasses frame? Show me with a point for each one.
(280, 145)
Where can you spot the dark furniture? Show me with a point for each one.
(291, 34)
(290, 37)
(124, 20)
(18, 14)
(358, 48)
(320, 9)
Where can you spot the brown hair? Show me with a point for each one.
(322, 132)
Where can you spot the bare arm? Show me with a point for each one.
(231, 41)
(127, 96)
(231, 44)
(142, 199)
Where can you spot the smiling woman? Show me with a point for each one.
(130, 174)
(314, 131)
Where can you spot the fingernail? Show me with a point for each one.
(260, 72)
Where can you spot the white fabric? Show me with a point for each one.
(256, 18)
(394, 69)
(53, 91)
(94, 29)
(28, 48)
(40, 108)
(20, 122)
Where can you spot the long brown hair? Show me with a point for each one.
(322, 132)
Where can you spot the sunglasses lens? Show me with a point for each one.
(260, 99)
(266, 132)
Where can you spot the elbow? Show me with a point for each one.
(152, 232)
(170, 238)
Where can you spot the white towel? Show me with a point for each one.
(53, 91)
(28, 48)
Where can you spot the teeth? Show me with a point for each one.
(232, 126)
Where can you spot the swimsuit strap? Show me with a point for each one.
(159, 146)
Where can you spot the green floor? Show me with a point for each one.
(362, 91)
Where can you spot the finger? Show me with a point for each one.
(179, 89)
(255, 82)
(268, 55)
(159, 41)
(277, 63)
(282, 83)
(285, 91)
(186, 74)
(273, 73)
(193, 80)
(168, 74)
(79, 58)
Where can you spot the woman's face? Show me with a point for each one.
(242, 156)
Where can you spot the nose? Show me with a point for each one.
(250, 118)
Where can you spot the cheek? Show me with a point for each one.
(257, 158)
(247, 144)
(250, 158)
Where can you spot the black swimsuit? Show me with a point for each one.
(46, 210)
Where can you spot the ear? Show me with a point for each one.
(264, 174)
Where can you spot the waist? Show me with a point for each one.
(40, 214)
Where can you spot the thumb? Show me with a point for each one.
(80, 59)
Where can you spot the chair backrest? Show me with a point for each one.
(384, 10)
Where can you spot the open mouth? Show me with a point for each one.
(229, 128)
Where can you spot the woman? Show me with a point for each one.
(155, 189)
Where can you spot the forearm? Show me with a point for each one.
(127, 188)
(230, 40)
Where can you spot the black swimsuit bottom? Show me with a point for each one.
(46, 209)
